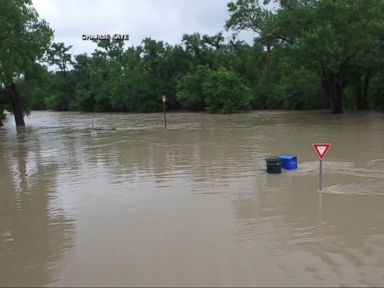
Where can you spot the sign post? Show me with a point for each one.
(321, 150)
(164, 99)
(321, 175)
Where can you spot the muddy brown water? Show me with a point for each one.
(132, 204)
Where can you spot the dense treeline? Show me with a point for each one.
(307, 54)
(202, 73)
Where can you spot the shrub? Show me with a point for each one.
(225, 92)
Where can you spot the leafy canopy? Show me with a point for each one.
(24, 39)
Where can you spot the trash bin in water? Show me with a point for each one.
(273, 165)
(288, 161)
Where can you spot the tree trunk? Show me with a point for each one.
(363, 99)
(338, 98)
(334, 90)
(16, 106)
(1, 123)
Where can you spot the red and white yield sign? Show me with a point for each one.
(321, 149)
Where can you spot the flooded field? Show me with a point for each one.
(132, 204)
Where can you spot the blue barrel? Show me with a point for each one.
(288, 161)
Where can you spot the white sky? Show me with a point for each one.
(165, 20)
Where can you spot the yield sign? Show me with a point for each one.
(321, 149)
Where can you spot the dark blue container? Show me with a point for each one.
(288, 161)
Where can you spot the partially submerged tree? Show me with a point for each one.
(24, 39)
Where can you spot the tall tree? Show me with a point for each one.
(24, 39)
(327, 36)
(58, 55)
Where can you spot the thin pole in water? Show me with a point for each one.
(321, 150)
(321, 176)
(164, 99)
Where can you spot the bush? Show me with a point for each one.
(189, 91)
(224, 92)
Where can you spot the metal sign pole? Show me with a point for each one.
(321, 150)
(321, 175)
(164, 99)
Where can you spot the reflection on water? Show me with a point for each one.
(34, 230)
(132, 204)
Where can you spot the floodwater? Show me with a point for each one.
(132, 204)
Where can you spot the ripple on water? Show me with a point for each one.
(195, 198)
(367, 188)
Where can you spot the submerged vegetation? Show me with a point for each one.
(306, 54)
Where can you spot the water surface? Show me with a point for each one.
(132, 204)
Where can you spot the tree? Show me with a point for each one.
(105, 73)
(111, 48)
(225, 92)
(329, 37)
(61, 88)
(58, 55)
(35, 87)
(190, 89)
(24, 39)
(83, 100)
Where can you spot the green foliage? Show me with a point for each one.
(35, 87)
(377, 92)
(24, 39)
(246, 15)
(307, 54)
(83, 101)
(225, 92)
(58, 55)
(298, 90)
(335, 39)
(141, 96)
(190, 89)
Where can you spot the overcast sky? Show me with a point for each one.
(165, 20)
